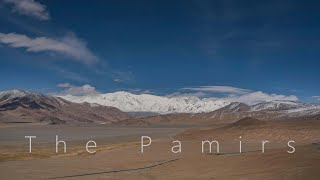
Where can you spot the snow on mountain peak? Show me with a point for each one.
(129, 102)
(278, 105)
(13, 93)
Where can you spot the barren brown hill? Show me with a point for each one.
(167, 119)
(246, 122)
(27, 107)
(266, 111)
(254, 130)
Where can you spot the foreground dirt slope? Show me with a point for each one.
(125, 161)
(254, 130)
(191, 164)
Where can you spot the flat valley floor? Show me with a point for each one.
(118, 153)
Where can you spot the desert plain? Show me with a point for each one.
(118, 152)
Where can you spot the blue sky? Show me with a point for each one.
(162, 47)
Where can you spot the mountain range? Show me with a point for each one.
(27, 107)
(267, 111)
(147, 103)
(126, 108)
(129, 102)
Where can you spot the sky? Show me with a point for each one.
(201, 48)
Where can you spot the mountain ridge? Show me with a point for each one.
(26, 107)
(129, 102)
(17, 104)
(142, 103)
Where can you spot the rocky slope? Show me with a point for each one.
(267, 111)
(26, 107)
(23, 106)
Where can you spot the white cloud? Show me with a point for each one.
(69, 74)
(64, 85)
(316, 97)
(195, 94)
(123, 76)
(77, 90)
(117, 80)
(220, 89)
(69, 45)
(29, 8)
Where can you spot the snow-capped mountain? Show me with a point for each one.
(25, 106)
(279, 105)
(284, 108)
(304, 112)
(129, 102)
(143, 103)
(13, 94)
(267, 110)
(14, 98)
(236, 107)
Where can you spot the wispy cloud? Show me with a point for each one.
(122, 76)
(64, 85)
(195, 94)
(69, 45)
(76, 90)
(29, 8)
(219, 89)
(316, 97)
(69, 74)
